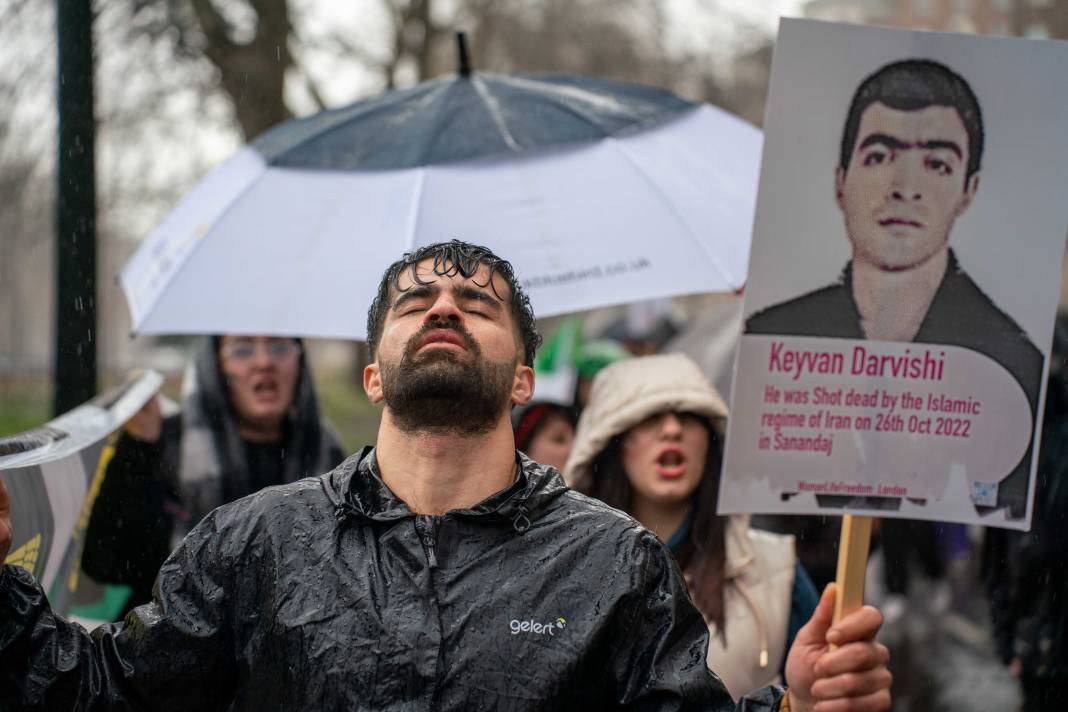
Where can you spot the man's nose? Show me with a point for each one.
(444, 309)
(905, 180)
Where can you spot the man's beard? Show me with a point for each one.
(445, 391)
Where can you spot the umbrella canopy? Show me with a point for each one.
(598, 192)
(461, 118)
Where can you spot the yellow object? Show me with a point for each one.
(26, 555)
(90, 498)
(784, 703)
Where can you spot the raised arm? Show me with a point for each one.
(129, 531)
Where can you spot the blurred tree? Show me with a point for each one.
(416, 34)
(624, 39)
(246, 42)
(26, 252)
(27, 190)
(1029, 16)
(253, 45)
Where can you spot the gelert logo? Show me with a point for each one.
(532, 626)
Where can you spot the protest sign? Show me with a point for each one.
(899, 309)
(52, 474)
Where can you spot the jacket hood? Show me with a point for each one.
(356, 490)
(627, 392)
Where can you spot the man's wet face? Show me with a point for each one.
(905, 185)
(448, 352)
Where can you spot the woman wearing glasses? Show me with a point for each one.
(249, 419)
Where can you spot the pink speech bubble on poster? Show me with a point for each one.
(869, 418)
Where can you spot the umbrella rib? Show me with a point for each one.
(332, 121)
(413, 210)
(618, 144)
(600, 102)
(494, 110)
(635, 113)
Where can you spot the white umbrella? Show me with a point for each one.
(269, 247)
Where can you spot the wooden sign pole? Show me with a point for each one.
(852, 564)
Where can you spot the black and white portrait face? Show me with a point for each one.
(905, 185)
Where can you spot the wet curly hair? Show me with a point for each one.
(451, 258)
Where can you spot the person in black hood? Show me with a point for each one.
(439, 570)
(249, 419)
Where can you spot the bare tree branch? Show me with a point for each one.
(309, 82)
(215, 28)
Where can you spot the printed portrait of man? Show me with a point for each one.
(909, 166)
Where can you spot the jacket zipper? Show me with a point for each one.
(426, 527)
(427, 532)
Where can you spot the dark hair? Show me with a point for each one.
(450, 258)
(910, 85)
(703, 553)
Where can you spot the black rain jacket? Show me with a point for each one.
(330, 594)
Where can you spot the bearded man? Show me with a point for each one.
(439, 570)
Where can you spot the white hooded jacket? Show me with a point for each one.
(760, 566)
